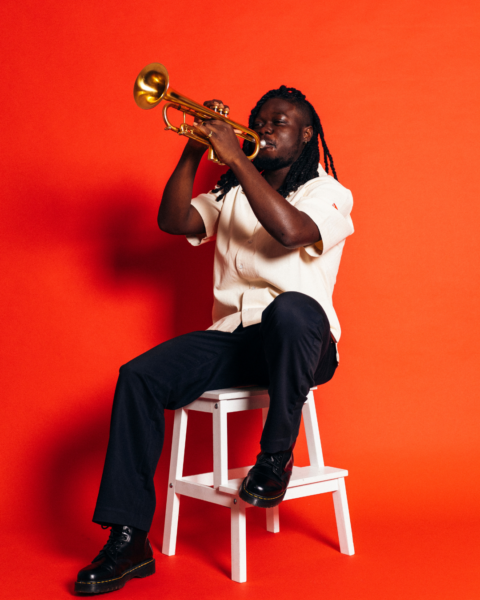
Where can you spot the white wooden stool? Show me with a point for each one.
(222, 486)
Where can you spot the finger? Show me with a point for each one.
(214, 126)
(209, 124)
(204, 130)
(213, 103)
(217, 106)
(200, 124)
(200, 121)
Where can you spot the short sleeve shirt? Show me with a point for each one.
(251, 268)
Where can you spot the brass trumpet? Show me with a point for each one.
(152, 86)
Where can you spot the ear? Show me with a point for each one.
(307, 134)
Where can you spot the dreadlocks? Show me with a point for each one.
(303, 169)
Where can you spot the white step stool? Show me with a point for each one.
(221, 486)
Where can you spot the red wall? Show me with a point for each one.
(89, 281)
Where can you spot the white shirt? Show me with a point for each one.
(251, 268)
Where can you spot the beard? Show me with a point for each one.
(271, 163)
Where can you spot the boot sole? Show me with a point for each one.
(261, 501)
(110, 585)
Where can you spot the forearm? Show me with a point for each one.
(176, 214)
(289, 226)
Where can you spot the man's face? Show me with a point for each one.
(282, 125)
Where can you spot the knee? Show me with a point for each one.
(293, 317)
(285, 304)
(136, 385)
(291, 307)
(144, 373)
(131, 370)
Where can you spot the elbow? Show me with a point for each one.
(168, 228)
(162, 225)
(165, 221)
(295, 240)
(291, 234)
(165, 224)
(161, 221)
(290, 245)
(290, 241)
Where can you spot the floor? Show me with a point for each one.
(397, 556)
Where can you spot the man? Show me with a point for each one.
(280, 226)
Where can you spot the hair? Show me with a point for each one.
(306, 166)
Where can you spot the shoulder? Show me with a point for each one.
(325, 189)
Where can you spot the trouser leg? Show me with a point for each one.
(170, 376)
(299, 354)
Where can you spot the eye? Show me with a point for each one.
(257, 125)
(280, 122)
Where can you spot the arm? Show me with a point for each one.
(285, 223)
(176, 215)
(289, 226)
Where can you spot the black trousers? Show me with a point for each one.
(289, 351)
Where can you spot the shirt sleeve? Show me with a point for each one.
(328, 204)
(209, 209)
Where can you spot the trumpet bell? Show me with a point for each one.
(151, 85)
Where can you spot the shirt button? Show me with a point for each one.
(253, 287)
(240, 266)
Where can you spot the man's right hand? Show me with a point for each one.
(217, 106)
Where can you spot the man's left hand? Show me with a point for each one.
(223, 139)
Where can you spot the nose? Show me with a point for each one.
(267, 128)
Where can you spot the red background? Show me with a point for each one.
(88, 282)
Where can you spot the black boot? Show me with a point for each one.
(127, 554)
(267, 481)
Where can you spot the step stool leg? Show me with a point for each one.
(239, 542)
(342, 515)
(176, 471)
(220, 445)
(273, 519)
(312, 433)
(273, 514)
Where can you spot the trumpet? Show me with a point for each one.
(152, 86)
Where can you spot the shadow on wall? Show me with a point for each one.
(69, 473)
(122, 249)
(134, 252)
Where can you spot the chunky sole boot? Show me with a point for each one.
(267, 481)
(261, 501)
(110, 585)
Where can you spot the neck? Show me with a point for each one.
(276, 178)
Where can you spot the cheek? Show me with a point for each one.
(289, 142)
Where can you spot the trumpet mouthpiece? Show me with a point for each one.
(263, 143)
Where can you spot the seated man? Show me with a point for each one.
(280, 225)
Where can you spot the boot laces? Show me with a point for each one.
(272, 460)
(116, 538)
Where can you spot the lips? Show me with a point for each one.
(266, 144)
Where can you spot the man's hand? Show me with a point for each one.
(221, 135)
